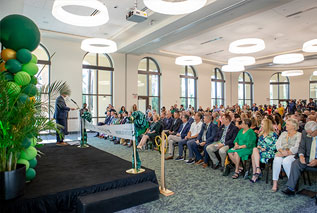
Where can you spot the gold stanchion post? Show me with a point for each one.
(163, 189)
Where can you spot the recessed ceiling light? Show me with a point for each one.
(98, 45)
(244, 60)
(233, 68)
(175, 8)
(247, 45)
(188, 60)
(310, 46)
(86, 21)
(292, 73)
(288, 58)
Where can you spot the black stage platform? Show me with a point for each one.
(65, 173)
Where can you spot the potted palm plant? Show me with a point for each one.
(20, 118)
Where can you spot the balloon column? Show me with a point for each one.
(20, 36)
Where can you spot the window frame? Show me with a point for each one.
(98, 68)
(278, 83)
(186, 77)
(243, 82)
(222, 81)
(148, 73)
(312, 82)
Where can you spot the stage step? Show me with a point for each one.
(118, 199)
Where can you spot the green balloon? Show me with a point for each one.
(33, 163)
(23, 98)
(29, 153)
(30, 90)
(13, 65)
(25, 162)
(33, 80)
(13, 89)
(34, 59)
(24, 56)
(33, 141)
(8, 76)
(18, 32)
(22, 78)
(30, 68)
(30, 174)
(26, 143)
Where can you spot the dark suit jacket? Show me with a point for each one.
(191, 120)
(185, 130)
(305, 146)
(61, 109)
(230, 136)
(175, 125)
(210, 135)
(168, 123)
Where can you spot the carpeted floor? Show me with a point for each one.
(206, 190)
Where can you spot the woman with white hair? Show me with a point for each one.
(287, 146)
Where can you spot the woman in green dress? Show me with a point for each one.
(152, 132)
(244, 144)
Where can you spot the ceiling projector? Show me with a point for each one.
(136, 15)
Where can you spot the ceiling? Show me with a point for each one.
(284, 25)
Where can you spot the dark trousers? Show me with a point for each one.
(296, 170)
(100, 124)
(63, 130)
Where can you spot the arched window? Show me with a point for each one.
(313, 87)
(279, 89)
(97, 84)
(189, 87)
(245, 89)
(43, 75)
(149, 84)
(217, 88)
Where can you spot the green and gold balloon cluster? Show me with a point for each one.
(20, 36)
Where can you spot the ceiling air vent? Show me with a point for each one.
(300, 12)
(219, 51)
(212, 40)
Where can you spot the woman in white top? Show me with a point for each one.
(287, 146)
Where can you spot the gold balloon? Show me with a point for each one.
(32, 99)
(7, 54)
(2, 67)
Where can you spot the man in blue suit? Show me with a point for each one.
(206, 136)
(60, 115)
(168, 121)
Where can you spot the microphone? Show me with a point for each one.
(73, 101)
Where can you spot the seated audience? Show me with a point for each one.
(206, 136)
(223, 141)
(177, 122)
(307, 152)
(287, 147)
(191, 136)
(152, 132)
(243, 146)
(181, 134)
(265, 149)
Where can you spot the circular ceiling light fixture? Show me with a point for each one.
(85, 21)
(188, 60)
(233, 68)
(246, 46)
(244, 60)
(315, 73)
(98, 45)
(288, 58)
(292, 73)
(174, 8)
(310, 46)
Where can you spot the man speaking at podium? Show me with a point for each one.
(60, 115)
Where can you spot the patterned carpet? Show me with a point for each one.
(206, 190)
